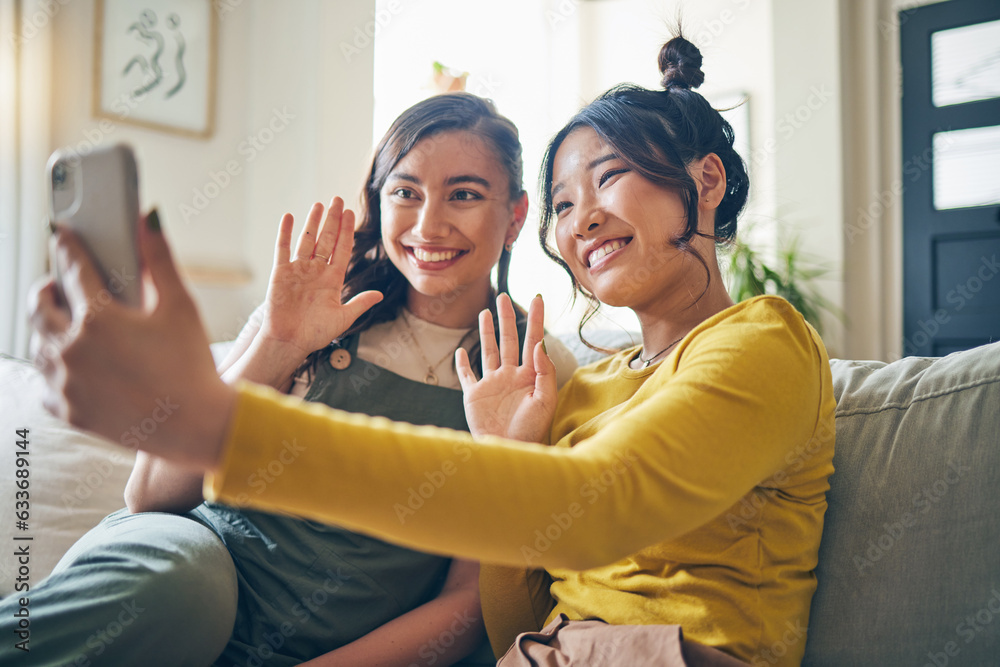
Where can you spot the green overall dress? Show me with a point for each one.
(307, 588)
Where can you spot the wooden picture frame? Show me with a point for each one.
(155, 64)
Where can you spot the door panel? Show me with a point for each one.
(951, 212)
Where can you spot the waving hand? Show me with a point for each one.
(303, 307)
(512, 400)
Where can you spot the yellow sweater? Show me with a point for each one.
(718, 457)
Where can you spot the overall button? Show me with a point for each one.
(340, 359)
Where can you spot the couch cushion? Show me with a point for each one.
(909, 565)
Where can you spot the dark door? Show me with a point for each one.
(951, 176)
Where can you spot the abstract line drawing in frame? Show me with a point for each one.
(154, 64)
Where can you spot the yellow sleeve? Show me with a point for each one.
(741, 399)
(514, 600)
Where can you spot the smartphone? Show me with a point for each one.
(97, 196)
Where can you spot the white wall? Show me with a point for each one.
(281, 79)
(808, 158)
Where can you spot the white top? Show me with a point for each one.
(391, 346)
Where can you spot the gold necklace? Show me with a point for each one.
(431, 377)
(647, 362)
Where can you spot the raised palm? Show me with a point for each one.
(512, 400)
(304, 305)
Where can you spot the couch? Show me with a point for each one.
(909, 565)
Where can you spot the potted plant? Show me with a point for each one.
(792, 276)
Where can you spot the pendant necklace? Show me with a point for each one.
(647, 362)
(431, 377)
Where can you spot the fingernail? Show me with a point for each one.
(52, 226)
(544, 349)
(538, 296)
(153, 221)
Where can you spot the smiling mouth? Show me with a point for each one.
(606, 249)
(433, 256)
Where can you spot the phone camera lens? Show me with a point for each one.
(59, 173)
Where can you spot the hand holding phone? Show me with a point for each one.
(97, 196)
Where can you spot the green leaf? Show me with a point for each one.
(792, 276)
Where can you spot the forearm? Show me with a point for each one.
(158, 485)
(244, 339)
(266, 362)
(671, 457)
(434, 495)
(441, 631)
(256, 357)
(445, 629)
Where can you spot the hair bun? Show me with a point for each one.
(680, 64)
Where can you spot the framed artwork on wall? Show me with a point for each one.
(154, 64)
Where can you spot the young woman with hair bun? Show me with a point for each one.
(675, 486)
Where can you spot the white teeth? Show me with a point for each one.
(605, 249)
(425, 256)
